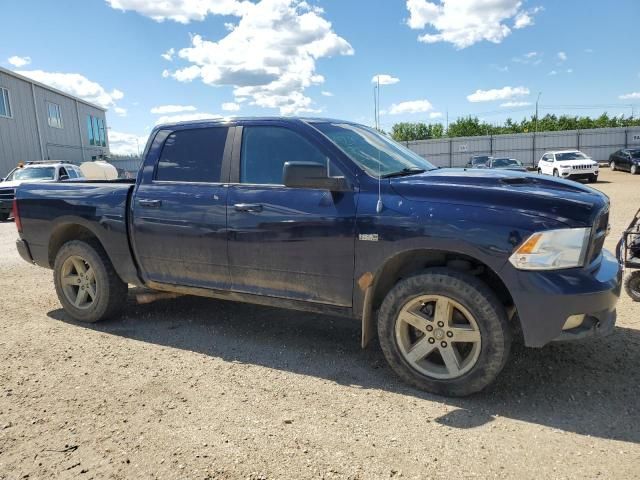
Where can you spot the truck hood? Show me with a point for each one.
(562, 200)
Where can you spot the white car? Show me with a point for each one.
(572, 164)
(44, 171)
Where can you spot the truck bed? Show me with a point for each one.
(101, 207)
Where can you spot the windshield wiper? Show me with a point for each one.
(404, 172)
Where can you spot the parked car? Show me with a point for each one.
(506, 164)
(478, 161)
(625, 159)
(571, 164)
(333, 217)
(46, 171)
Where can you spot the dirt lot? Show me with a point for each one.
(197, 388)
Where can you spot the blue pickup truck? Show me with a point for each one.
(329, 216)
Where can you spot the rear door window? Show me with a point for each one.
(193, 155)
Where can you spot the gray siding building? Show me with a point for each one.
(38, 122)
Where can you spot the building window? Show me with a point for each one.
(54, 115)
(5, 103)
(96, 131)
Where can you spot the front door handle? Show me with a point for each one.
(248, 207)
(150, 203)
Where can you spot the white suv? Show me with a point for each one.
(571, 164)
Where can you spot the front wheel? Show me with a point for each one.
(632, 285)
(556, 173)
(445, 332)
(86, 283)
(593, 179)
(634, 169)
(612, 165)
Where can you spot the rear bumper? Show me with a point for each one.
(545, 300)
(24, 251)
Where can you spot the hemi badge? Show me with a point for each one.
(368, 237)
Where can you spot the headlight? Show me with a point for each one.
(552, 250)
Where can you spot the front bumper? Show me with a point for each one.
(579, 174)
(545, 299)
(6, 205)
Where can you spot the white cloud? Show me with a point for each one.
(168, 55)
(185, 117)
(412, 106)
(164, 109)
(126, 143)
(569, 70)
(465, 22)
(324, 93)
(181, 11)
(504, 93)
(121, 112)
(434, 115)
(630, 96)
(166, 73)
(552, 72)
(588, 50)
(230, 106)
(529, 58)
(77, 85)
(562, 57)
(19, 61)
(385, 79)
(270, 56)
(525, 18)
(515, 104)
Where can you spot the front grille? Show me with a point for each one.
(598, 235)
(581, 167)
(7, 193)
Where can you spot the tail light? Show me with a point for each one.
(16, 215)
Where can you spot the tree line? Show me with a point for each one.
(472, 126)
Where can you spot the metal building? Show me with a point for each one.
(38, 122)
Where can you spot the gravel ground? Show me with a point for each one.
(198, 388)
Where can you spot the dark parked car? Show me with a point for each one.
(478, 161)
(626, 159)
(506, 164)
(331, 216)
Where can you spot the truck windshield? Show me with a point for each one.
(372, 151)
(35, 173)
(570, 156)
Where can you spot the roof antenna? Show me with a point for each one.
(376, 101)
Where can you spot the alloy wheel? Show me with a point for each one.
(78, 282)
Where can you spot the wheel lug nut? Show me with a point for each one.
(441, 324)
(443, 344)
(432, 340)
(429, 328)
(449, 334)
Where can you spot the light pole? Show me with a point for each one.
(535, 132)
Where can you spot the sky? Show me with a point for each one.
(151, 62)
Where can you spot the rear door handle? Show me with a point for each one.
(150, 203)
(248, 207)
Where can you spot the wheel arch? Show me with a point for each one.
(66, 232)
(407, 263)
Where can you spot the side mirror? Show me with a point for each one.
(312, 175)
(64, 177)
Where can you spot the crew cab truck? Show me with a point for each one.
(330, 216)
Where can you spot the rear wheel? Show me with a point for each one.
(86, 283)
(4, 216)
(445, 332)
(612, 165)
(634, 169)
(632, 285)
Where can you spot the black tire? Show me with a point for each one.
(593, 179)
(4, 216)
(539, 171)
(634, 169)
(632, 285)
(111, 291)
(612, 165)
(555, 173)
(479, 300)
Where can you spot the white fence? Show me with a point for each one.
(527, 147)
